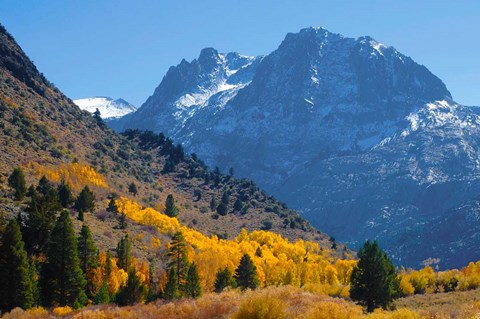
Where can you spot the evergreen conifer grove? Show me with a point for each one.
(16, 282)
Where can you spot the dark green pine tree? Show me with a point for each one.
(98, 118)
(85, 201)
(132, 189)
(33, 272)
(246, 274)
(133, 292)
(222, 209)
(223, 280)
(81, 216)
(169, 167)
(192, 286)
(177, 258)
(102, 296)
(16, 286)
(213, 204)
(112, 206)
(89, 259)
(171, 209)
(171, 290)
(64, 194)
(62, 281)
(17, 181)
(44, 185)
(113, 209)
(217, 176)
(122, 221)
(374, 281)
(41, 212)
(225, 197)
(152, 293)
(238, 205)
(124, 253)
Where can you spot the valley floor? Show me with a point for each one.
(274, 302)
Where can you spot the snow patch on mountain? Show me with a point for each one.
(363, 140)
(108, 107)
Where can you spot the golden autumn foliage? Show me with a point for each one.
(426, 280)
(76, 175)
(62, 311)
(278, 261)
(402, 313)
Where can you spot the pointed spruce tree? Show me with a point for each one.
(171, 209)
(65, 194)
(16, 286)
(102, 296)
(132, 189)
(177, 258)
(85, 201)
(213, 204)
(89, 258)
(152, 293)
(171, 290)
(33, 273)
(192, 286)
(223, 280)
(113, 210)
(41, 212)
(44, 185)
(112, 206)
(62, 279)
(225, 197)
(374, 281)
(246, 273)
(222, 209)
(98, 118)
(124, 253)
(17, 181)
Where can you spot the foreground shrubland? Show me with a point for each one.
(267, 303)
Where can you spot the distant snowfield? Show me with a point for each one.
(108, 107)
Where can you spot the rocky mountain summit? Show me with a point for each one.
(360, 138)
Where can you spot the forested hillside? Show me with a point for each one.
(46, 134)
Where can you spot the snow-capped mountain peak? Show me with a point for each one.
(108, 107)
(347, 130)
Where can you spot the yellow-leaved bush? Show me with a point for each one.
(76, 175)
(426, 280)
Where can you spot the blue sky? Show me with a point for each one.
(123, 48)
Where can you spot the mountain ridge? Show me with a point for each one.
(316, 102)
